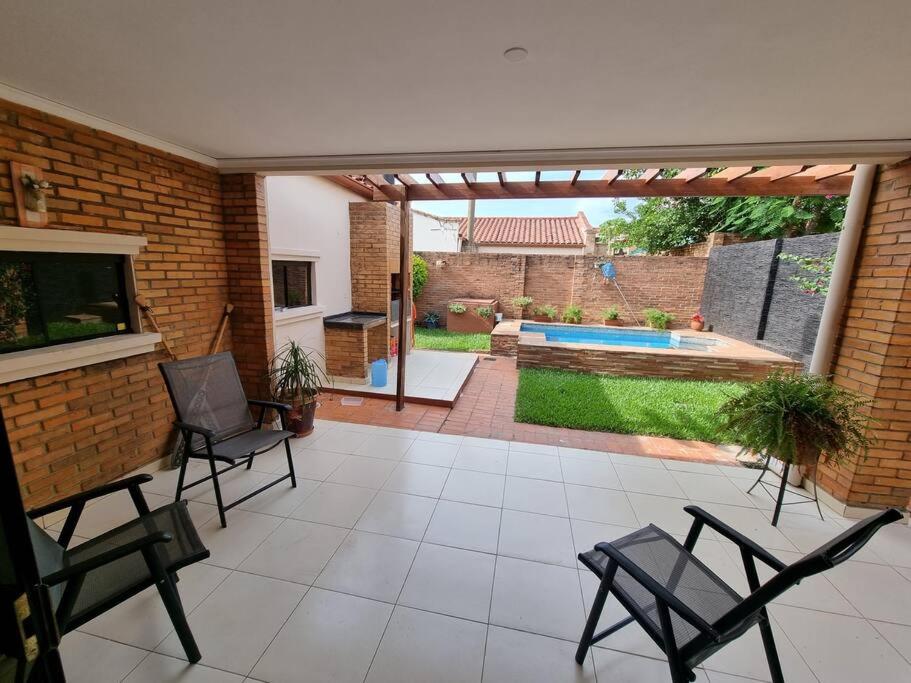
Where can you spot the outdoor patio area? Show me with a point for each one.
(418, 556)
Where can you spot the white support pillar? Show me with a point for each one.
(851, 230)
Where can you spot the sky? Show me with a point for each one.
(597, 210)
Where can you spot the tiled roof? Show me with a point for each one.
(538, 231)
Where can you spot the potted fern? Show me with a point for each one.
(297, 379)
(545, 314)
(573, 314)
(798, 419)
(521, 303)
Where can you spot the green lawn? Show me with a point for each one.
(441, 340)
(626, 405)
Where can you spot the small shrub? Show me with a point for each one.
(456, 307)
(431, 319)
(522, 301)
(572, 314)
(484, 311)
(418, 275)
(548, 311)
(610, 313)
(657, 319)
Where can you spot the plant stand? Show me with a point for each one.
(779, 496)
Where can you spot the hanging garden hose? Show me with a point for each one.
(610, 273)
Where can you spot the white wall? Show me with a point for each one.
(308, 220)
(432, 234)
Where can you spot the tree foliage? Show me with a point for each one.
(418, 275)
(658, 224)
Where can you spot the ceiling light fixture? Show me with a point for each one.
(515, 54)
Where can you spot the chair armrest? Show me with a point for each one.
(102, 559)
(208, 433)
(269, 404)
(656, 589)
(97, 492)
(760, 553)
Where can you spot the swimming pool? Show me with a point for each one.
(613, 336)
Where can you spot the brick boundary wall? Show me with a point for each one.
(247, 255)
(76, 429)
(608, 361)
(667, 282)
(873, 354)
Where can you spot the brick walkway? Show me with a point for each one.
(486, 409)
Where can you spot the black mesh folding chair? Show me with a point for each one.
(95, 576)
(214, 417)
(686, 608)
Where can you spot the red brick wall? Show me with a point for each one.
(873, 355)
(75, 429)
(247, 255)
(671, 283)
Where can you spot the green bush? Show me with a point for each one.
(656, 318)
(484, 311)
(456, 307)
(522, 301)
(548, 311)
(610, 313)
(572, 314)
(418, 275)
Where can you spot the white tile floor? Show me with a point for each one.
(435, 375)
(407, 556)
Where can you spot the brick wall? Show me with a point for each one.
(670, 283)
(873, 355)
(75, 429)
(347, 353)
(247, 255)
(714, 239)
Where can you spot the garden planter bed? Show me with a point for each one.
(470, 321)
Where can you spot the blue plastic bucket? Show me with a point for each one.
(378, 371)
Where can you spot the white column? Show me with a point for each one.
(851, 230)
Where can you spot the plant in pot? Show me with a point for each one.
(457, 308)
(296, 379)
(484, 311)
(521, 303)
(545, 314)
(797, 419)
(697, 322)
(431, 320)
(657, 319)
(611, 317)
(573, 314)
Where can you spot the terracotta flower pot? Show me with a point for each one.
(542, 319)
(696, 325)
(300, 419)
(613, 323)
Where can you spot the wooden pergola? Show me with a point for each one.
(732, 181)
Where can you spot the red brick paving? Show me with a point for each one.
(486, 409)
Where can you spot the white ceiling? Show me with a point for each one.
(243, 78)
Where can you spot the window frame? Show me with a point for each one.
(297, 313)
(124, 266)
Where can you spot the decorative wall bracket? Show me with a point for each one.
(31, 191)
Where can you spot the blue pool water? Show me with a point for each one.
(612, 336)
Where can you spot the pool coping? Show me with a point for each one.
(722, 348)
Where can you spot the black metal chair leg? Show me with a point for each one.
(290, 464)
(771, 652)
(781, 491)
(171, 598)
(218, 501)
(595, 615)
(183, 469)
(250, 462)
(765, 468)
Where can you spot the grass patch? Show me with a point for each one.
(442, 340)
(680, 409)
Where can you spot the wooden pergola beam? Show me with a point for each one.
(649, 175)
(350, 183)
(734, 172)
(826, 171)
(611, 175)
(436, 179)
(689, 174)
(405, 179)
(501, 176)
(746, 185)
(773, 173)
(537, 178)
(576, 175)
(469, 178)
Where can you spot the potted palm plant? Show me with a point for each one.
(296, 379)
(798, 419)
(611, 317)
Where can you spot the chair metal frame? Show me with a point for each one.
(163, 578)
(749, 612)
